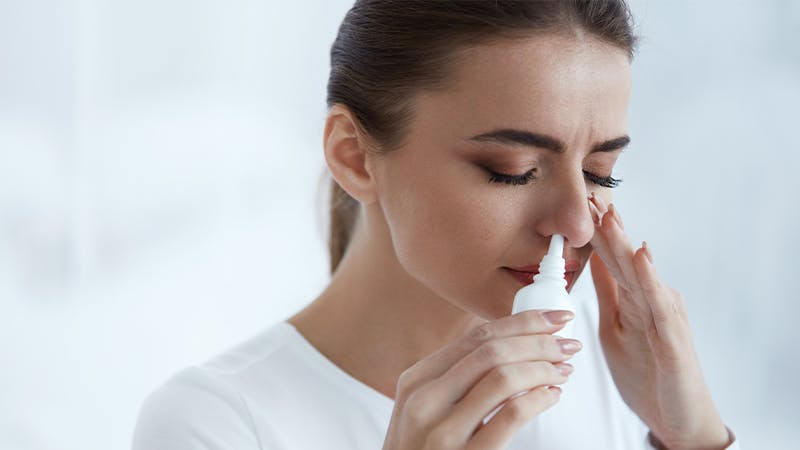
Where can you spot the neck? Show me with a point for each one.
(374, 320)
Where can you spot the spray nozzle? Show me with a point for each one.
(556, 246)
(552, 265)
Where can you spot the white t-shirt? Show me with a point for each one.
(278, 392)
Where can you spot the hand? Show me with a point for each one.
(644, 331)
(442, 400)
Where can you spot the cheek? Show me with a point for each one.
(448, 233)
(443, 221)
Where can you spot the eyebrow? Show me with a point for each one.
(510, 136)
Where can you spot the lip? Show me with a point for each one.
(524, 274)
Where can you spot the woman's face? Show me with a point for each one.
(551, 107)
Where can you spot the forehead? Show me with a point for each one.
(556, 84)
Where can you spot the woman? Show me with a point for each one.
(461, 135)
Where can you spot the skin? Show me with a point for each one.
(433, 234)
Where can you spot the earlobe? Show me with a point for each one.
(346, 154)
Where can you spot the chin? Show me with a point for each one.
(577, 276)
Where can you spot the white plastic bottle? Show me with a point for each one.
(549, 288)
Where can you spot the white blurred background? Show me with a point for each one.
(159, 202)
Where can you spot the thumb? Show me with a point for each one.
(607, 293)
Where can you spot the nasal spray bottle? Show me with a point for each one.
(548, 291)
(549, 288)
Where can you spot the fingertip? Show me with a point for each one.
(594, 211)
(555, 390)
(640, 252)
(643, 264)
(647, 252)
(643, 256)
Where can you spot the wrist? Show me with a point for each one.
(716, 441)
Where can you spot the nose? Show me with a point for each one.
(566, 212)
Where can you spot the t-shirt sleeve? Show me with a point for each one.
(195, 410)
(651, 443)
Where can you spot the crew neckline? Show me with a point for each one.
(347, 381)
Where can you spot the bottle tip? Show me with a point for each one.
(556, 246)
(551, 269)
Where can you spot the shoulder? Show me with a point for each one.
(206, 406)
(194, 410)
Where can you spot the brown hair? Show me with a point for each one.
(386, 50)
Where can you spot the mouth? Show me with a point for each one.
(524, 274)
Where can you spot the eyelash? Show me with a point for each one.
(609, 182)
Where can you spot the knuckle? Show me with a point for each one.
(540, 372)
(503, 376)
(417, 407)
(650, 290)
(534, 320)
(517, 409)
(406, 382)
(482, 333)
(541, 369)
(490, 352)
(549, 346)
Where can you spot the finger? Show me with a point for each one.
(607, 295)
(634, 308)
(621, 248)
(454, 384)
(522, 323)
(501, 384)
(595, 211)
(660, 300)
(501, 428)
(600, 204)
(600, 244)
(605, 208)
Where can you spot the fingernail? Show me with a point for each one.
(564, 368)
(558, 317)
(647, 252)
(569, 346)
(613, 211)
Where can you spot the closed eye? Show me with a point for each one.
(609, 181)
(525, 178)
(496, 177)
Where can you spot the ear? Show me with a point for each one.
(347, 154)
